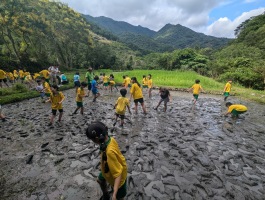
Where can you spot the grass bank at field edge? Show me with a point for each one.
(17, 96)
(181, 81)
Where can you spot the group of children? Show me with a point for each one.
(113, 163)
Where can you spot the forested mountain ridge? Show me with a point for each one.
(39, 33)
(182, 37)
(119, 27)
(168, 38)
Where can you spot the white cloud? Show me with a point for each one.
(224, 27)
(154, 14)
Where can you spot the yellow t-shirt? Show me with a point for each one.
(122, 102)
(237, 107)
(11, 76)
(15, 73)
(21, 74)
(136, 91)
(79, 94)
(116, 162)
(149, 83)
(55, 99)
(112, 83)
(2, 74)
(28, 77)
(145, 81)
(228, 87)
(105, 79)
(45, 73)
(47, 88)
(196, 88)
(36, 75)
(128, 80)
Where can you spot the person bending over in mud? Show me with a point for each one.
(165, 97)
(235, 109)
(113, 163)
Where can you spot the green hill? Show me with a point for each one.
(182, 37)
(37, 33)
(168, 38)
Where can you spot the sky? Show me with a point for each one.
(212, 17)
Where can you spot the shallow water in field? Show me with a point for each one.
(186, 153)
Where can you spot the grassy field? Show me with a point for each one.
(171, 79)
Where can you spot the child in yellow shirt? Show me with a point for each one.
(56, 99)
(120, 106)
(197, 88)
(145, 81)
(105, 81)
(79, 98)
(149, 85)
(46, 87)
(113, 163)
(227, 89)
(137, 95)
(235, 109)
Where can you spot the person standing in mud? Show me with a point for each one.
(150, 85)
(165, 97)
(79, 98)
(89, 78)
(137, 94)
(94, 88)
(113, 163)
(196, 88)
(56, 99)
(227, 89)
(120, 106)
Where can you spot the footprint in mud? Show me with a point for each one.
(59, 139)
(29, 159)
(44, 145)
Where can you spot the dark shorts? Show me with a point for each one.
(47, 94)
(120, 116)
(141, 100)
(226, 94)
(79, 104)
(95, 91)
(105, 84)
(236, 113)
(129, 85)
(47, 80)
(77, 83)
(122, 191)
(196, 96)
(89, 86)
(54, 111)
(166, 100)
(145, 86)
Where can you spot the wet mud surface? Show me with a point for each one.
(184, 153)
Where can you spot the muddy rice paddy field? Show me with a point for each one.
(184, 153)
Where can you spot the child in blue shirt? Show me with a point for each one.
(94, 88)
(77, 81)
